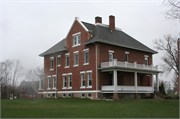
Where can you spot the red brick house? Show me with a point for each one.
(100, 61)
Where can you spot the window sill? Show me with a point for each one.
(82, 87)
(76, 45)
(75, 65)
(48, 88)
(67, 67)
(89, 87)
(51, 69)
(58, 65)
(69, 88)
(54, 88)
(64, 88)
(40, 89)
(86, 64)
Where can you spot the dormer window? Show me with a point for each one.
(76, 39)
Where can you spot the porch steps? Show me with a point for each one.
(159, 95)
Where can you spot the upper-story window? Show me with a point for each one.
(146, 59)
(76, 39)
(67, 60)
(51, 63)
(111, 55)
(86, 56)
(59, 60)
(127, 56)
(76, 58)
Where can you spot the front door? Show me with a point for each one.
(147, 80)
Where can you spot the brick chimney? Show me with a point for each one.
(98, 19)
(112, 22)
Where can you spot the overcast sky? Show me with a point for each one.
(31, 27)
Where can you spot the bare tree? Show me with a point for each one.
(35, 74)
(10, 71)
(173, 12)
(174, 80)
(170, 58)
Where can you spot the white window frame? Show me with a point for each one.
(58, 63)
(69, 87)
(146, 58)
(64, 75)
(88, 95)
(54, 78)
(48, 95)
(70, 95)
(88, 73)
(76, 53)
(127, 55)
(83, 73)
(84, 95)
(112, 55)
(51, 66)
(78, 41)
(67, 55)
(49, 80)
(85, 51)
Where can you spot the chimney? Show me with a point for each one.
(98, 19)
(112, 22)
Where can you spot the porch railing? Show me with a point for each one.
(128, 65)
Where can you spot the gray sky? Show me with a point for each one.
(31, 27)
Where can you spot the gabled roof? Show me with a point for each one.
(56, 48)
(102, 33)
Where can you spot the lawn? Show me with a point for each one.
(86, 108)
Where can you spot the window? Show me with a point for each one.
(67, 60)
(70, 81)
(110, 57)
(51, 63)
(76, 58)
(82, 79)
(146, 59)
(64, 81)
(82, 95)
(70, 95)
(127, 56)
(54, 82)
(49, 82)
(86, 56)
(48, 95)
(59, 60)
(89, 95)
(76, 39)
(64, 95)
(89, 76)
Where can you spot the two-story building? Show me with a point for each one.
(100, 61)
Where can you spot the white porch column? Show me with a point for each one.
(135, 80)
(157, 82)
(152, 81)
(115, 80)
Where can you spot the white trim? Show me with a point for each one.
(90, 71)
(52, 57)
(82, 72)
(67, 54)
(126, 52)
(49, 76)
(76, 45)
(67, 67)
(69, 96)
(83, 91)
(87, 49)
(75, 34)
(111, 51)
(64, 74)
(82, 25)
(89, 87)
(49, 95)
(59, 56)
(82, 87)
(53, 75)
(64, 96)
(69, 88)
(88, 96)
(75, 52)
(64, 88)
(58, 65)
(69, 73)
(48, 88)
(146, 56)
(51, 69)
(54, 88)
(86, 64)
(75, 65)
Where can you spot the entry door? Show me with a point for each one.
(147, 80)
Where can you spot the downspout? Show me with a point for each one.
(56, 78)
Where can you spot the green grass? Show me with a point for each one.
(172, 95)
(86, 108)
